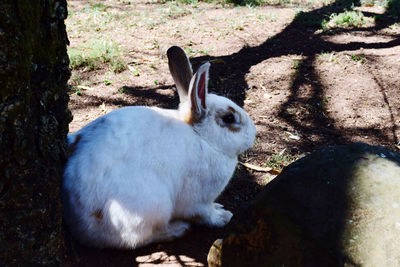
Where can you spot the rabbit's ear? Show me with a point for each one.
(198, 91)
(181, 71)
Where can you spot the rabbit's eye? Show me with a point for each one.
(228, 119)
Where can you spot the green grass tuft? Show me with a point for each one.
(95, 7)
(186, 2)
(278, 161)
(98, 52)
(297, 64)
(234, 2)
(359, 58)
(347, 19)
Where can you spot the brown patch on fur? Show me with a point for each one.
(191, 119)
(98, 214)
(72, 147)
(231, 109)
(218, 119)
(233, 129)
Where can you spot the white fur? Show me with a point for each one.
(145, 172)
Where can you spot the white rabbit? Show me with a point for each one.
(139, 174)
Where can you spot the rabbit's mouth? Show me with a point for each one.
(251, 139)
(244, 149)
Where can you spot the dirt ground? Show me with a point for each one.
(304, 87)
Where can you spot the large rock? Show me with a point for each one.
(338, 206)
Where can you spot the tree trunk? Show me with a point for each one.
(34, 119)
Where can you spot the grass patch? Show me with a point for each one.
(107, 81)
(393, 26)
(267, 17)
(347, 19)
(96, 53)
(358, 58)
(249, 3)
(96, 7)
(327, 56)
(252, 3)
(122, 90)
(191, 52)
(189, 2)
(297, 64)
(279, 161)
(174, 10)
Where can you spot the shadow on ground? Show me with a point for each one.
(298, 38)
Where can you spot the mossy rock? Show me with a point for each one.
(337, 206)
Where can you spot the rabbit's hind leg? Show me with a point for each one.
(169, 231)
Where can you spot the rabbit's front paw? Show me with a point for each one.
(215, 215)
(221, 216)
(169, 231)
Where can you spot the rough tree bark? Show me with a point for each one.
(34, 121)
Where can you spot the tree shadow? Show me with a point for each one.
(150, 96)
(153, 96)
(300, 38)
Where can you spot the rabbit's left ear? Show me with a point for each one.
(198, 90)
(181, 71)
